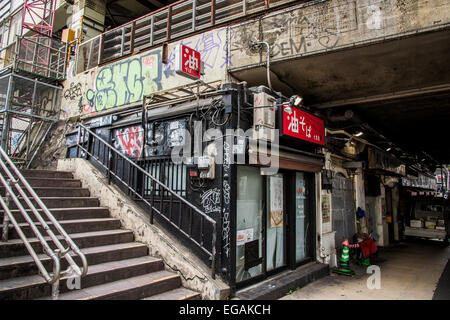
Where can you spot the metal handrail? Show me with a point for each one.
(174, 21)
(83, 138)
(9, 183)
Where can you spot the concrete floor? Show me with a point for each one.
(409, 271)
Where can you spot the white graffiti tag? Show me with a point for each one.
(210, 200)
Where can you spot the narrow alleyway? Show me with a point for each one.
(409, 270)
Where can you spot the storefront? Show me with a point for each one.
(265, 212)
(276, 214)
(275, 222)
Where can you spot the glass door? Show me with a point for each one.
(249, 223)
(275, 223)
(301, 227)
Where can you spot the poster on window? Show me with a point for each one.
(326, 208)
(276, 201)
(244, 236)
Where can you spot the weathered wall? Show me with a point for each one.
(176, 257)
(128, 80)
(310, 28)
(332, 25)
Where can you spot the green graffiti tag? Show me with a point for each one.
(125, 82)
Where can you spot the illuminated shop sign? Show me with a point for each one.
(301, 125)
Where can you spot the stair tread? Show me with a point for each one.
(62, 222)
(86, 251)
(42, 171)
(27, 281)
(73, 236)
(55, 188)
(175, 294)
(53, 198)
(58, 179)
(124, 285)
(64, 209)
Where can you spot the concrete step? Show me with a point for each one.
(129, 289)
(63, 202)
(24, 265)
(31, 173)
(15, 247)
(54, 182)
(32, 287)
(66, 213)
(176, 294)
(55, 192)
(70, 226)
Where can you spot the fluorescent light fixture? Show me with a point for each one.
(359, 134)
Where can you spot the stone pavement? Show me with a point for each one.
(409, 271)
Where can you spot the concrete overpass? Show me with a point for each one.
(387, 61)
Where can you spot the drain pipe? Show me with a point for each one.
(259, 44)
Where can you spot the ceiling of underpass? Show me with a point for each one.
(400, 88)
(119, 12)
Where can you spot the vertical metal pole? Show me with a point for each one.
(133, 30)
(122, 42)
(55, 285)
(213, 12)
(213, 252)
(169, 23)
(5, 216)
(194, 13)
(79, 141)
(100, 49)
(152, 200)
(6, 117)
(109, 158)
(152, 22)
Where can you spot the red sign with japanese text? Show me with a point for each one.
(302, 125)
(188, 62)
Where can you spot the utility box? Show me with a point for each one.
(68, 35)
(264, 110)
(264, 113)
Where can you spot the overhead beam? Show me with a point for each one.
(383, 97)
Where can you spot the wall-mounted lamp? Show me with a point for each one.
(293, 101)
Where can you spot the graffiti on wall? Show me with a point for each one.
(73, 92)
(129, 141)
(210, 200)
(226, 199)
(124, 82)
(300, 31)
(213, 48)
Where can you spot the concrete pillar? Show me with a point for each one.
(380, 218)
(395, 206)
(326, 248)
(360, 197)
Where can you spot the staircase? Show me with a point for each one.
(119, 268)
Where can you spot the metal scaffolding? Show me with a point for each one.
(29, 85)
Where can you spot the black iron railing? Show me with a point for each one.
(174, 21)
(164, 199)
